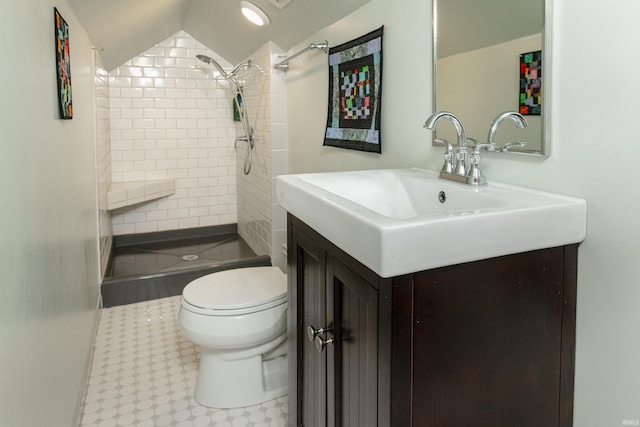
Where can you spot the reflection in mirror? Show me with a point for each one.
(477, 48)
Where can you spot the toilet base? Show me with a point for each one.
(225, 383)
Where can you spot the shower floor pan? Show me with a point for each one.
(146, 268)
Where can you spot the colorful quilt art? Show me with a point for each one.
(63, 66)
(355, 77)
(531, 83)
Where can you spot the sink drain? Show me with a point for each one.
(442, 197)
(190, 257)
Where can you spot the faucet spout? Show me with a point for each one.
(462, 134)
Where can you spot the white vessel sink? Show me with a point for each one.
(393, 222)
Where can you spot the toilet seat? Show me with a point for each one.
(236, 292)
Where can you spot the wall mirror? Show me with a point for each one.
(477, 46)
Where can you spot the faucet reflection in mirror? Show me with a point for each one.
(458, 170)
(520, 122)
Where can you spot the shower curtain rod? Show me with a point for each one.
(284, 65)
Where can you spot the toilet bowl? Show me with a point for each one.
(239, 319)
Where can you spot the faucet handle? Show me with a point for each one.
(477, 146)
(475, 175)
(485, 147)
(445, 142)
(447, 166)
(506, 148)
(474, 142)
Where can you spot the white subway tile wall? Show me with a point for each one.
(256, 205)
(172, 118)
(103, 158)
(279, 157)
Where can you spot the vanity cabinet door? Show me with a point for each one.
(337, 385)
(352, 370)
(307, 303)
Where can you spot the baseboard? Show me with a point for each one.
(89, 365)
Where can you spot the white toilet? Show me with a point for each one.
(239, 318)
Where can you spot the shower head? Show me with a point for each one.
(205, 58)
(243, 74)
(247, 73)
(208, 60)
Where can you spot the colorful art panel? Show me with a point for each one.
(63, 65)
(355, 86)
(530, 102)
(355, 93)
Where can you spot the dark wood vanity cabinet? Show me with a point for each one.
(336, 385)
(485, 343)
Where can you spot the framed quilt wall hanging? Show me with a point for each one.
(355, 87)
(530, 97)
(63, 65)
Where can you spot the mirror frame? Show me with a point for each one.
(545, 131)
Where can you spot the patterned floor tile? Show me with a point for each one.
(144, 373)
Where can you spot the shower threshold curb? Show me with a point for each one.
(145, 287)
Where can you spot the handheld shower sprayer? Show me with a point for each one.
(208, 60)
(236, 86)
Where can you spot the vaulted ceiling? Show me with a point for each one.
(125, 28)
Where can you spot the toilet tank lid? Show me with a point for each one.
(239, 288)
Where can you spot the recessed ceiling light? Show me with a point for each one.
(254, 14)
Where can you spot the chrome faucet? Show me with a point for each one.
(475, 175)
(520, 122)
(454, 171)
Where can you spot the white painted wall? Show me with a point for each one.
(593, 154)
(49, 265)
(406, 91)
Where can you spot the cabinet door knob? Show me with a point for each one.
(322, 343)
(312, 332)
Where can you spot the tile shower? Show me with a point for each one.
(168, 117)
(171, 118)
